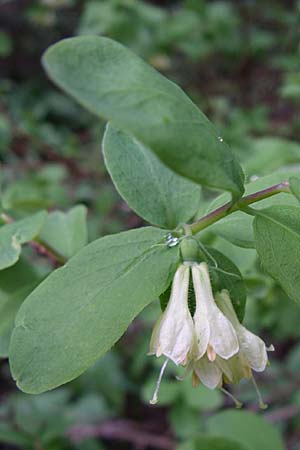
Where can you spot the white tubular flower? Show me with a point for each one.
(173, 334)
(253, 351)
(215, 334)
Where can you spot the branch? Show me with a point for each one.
(121, 430)
(229, 207)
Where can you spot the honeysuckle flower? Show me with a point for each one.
(215, 334)
(253, 350)
(252, 354)
(173, 334)
(213, 345)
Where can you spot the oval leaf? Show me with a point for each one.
(277, 240)
(83, 308)
(65, 233)
(13, 235)
(137, 174)
(203, 442)
(114, 83)
(247, 429)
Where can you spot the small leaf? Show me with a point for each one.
(115, 84)
(204, 442)
(16, 283)
(13, 235)
(138, 174)
(65, 233)
(252, 432)
(277, 239)
(83, 308)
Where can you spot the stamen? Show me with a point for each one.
(237, 403)
(195, 380)
(211, 354)
(154, 399)
(261, 403)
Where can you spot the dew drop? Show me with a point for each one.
(220, 139)
(171, 240)
(254, 178)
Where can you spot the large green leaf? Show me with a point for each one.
(150, 188)
(13, 235)
(277, 240)
(204, 442)
(114, 83)
(249, 430)
(65, 233)
(83, 308)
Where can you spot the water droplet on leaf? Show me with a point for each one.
(171, 240)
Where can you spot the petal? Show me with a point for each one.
(208, 373)
(154, 341)
(254, 349)
(202, 333)
(223, 337)
(251, 345)
(173, 335)
(202, 328)
(235, 368)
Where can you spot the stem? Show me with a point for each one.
(231, 207)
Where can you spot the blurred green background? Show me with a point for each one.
(240, 62)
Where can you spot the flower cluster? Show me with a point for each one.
(212, 344)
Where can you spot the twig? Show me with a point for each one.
(41, 250)
(122, 430)
(229, 207)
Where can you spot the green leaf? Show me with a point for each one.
(204, 442)
(237, 229)
(185, 422)
(277, 239)
(114, 83)
(295, 187)
(200, 398)
(249, 430)
(16, 283)
(138, 175)
(13, 235)
(65, 233)
(83, 308)
(270, 153)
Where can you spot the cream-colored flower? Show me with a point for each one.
(214, 332)
(173, 334)
(253, 351)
